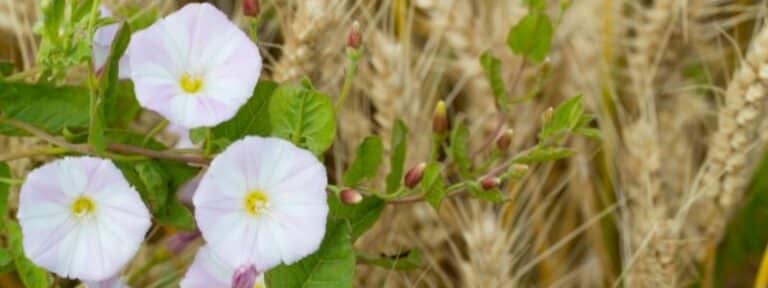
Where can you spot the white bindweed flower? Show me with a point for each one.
(102, 42)
(194, 67)
(262, 202)
(207, 270)
(80, 218)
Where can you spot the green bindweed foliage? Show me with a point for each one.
(304, 117)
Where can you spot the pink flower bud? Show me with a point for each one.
(489, 182)
(245, 277)
(354, 38)
(350, 196)
(251, 8)
(413, 176)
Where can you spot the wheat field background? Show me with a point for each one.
(674, 194)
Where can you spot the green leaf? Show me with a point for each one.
(305, 117)
(176, 215)
(367, 161)
(31, 275)
(492, 195)
(492, 68)
(252, 118)
(44, 106)
(407, 260)
(155, 184)
(361, 216)
(331, 266)
(5, 190)
(459, 150)
(121, 109)
(433, 185)
(532, 36)
(542, 154)
(592, 133)
(397, 156)
(198, 135)
(565, 118)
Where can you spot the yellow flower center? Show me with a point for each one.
(258, 285)
(82, 206)
(190, 84)
(255, 201)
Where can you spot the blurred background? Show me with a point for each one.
(648, 205)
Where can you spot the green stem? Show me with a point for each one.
(33, 152)
(22, 75)
(353, 57)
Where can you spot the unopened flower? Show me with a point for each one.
(80, 218)
(251, 8)
(354, 37)
(440, 118)
(489, 182)
(194, 67)
(414, 175)
(102, 41)
(207, 270)
(350, 196)
(262, 202)
(505, 139)
(245, 277)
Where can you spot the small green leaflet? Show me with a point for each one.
(433, 185)
(361, 216)
(492, 68)
(565, 118)
(459, 151)
(367, 161)
(532, 36)
(331, 266)
(543, 154)
(304, 117)
(397, 156)
(492, 195)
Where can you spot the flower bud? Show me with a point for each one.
(178, 242)
(350, 196)
(440, 118)
(245, 276)
(413, 176)
(251, 8)
(354, 38)
(505, 139)
(489, 182)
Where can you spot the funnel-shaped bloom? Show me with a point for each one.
(102, 42)
(80, 218)
(209, 271)
(262, 203)
(194, 67)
